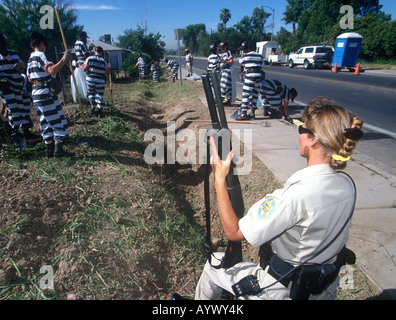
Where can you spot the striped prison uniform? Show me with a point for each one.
(18, 105)
(213, 62)
(274, 92)
(155, 69)
(80, 48)
(253, 66)
(226, 76)
(175, 68)
(53, 124)
(142, 67)
(96, 80)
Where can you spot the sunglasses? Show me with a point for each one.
(302, 130)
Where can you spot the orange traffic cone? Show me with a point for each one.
(358, 69)
(335, 68)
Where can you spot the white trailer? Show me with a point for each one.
(268, 48)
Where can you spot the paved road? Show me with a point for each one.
(372, 97)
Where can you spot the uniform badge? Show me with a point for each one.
(267, 209)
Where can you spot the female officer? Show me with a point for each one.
(306, 221)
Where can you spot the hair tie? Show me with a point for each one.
(353, 133)
(340, 158)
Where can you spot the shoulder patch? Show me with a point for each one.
(267, 209)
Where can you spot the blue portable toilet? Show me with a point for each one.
(347, 50)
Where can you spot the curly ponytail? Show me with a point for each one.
(352, 137)
(337, 129)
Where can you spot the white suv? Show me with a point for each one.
(307, 55)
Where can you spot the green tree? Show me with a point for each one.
(259, 19)
(288, 42)
(19, 18)
(137, 41)
(245, 26)
(233, 37)
(378, 31)
(225, 16)
(253, 27)
(364, 7)
(319, 23)
(220, 27)
(192, 35)
(293, 12)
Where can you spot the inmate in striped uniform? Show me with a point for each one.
(53, 124)
(253, 66)
(274, 92)
(18, 108)
(213, 62)
(96, 80)
(174, 67)
(80, 49)
(155, 71)
(226, 77)
(142, 65)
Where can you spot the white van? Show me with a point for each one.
(307, 55)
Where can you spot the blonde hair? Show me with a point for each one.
(337, 130)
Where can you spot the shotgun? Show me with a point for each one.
(222, 137)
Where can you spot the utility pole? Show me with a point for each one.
(178, 36)
(273, 19)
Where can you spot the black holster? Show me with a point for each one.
(307, 279)
(313, 279)
(265, 254)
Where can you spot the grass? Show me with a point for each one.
(379, 64)
(138, 229)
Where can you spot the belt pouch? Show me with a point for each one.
(279, 268)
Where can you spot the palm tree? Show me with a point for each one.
(293, 12)
(225, 16)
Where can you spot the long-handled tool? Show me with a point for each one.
(111, 83)
(71, 70)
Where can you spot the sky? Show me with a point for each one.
(101, 17)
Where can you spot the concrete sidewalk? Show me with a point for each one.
(373, 229)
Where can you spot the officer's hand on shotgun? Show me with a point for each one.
(220, 168)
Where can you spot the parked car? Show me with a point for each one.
(317, 56)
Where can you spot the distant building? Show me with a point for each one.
(106, 38)
(117, 54)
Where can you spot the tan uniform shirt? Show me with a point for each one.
(303, 216)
